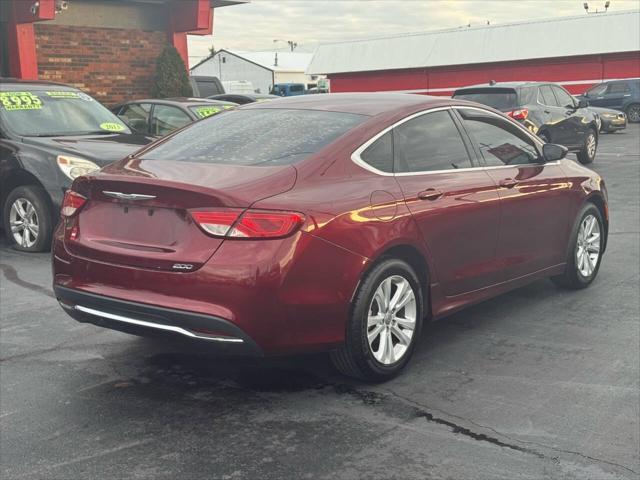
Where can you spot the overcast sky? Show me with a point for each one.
(255, 26)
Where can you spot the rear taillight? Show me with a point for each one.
(519, 114)
(233, 223)
(71, 203)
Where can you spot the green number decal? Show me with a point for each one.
(112, 126)
(12, 101)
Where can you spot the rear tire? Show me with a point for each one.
(583, 247)
(633, 113)
(588, 152)
(27, 218)
(384, 328)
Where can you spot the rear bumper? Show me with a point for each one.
(285, 296)
(149, 320)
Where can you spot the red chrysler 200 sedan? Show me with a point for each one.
(340, 222)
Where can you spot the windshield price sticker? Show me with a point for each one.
(112, 126)
(204, 112)
(63, 94)
(12, 101)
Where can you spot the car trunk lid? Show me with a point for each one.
(137, 213)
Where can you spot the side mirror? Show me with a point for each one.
(583, 103)
(552, 152)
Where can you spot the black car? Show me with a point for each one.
(50, 134)
(610, 120)
(623, 95)
(546, 109)
(244, 98)
(159, 117)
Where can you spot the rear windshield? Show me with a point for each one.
(255, 137)
(31, 112)
(498, 99)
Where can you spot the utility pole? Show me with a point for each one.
(291, 43)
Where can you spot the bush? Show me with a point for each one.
(171, 78)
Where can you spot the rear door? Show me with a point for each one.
(454, 203)
(534, 221)
(615, 95)
(552, 116)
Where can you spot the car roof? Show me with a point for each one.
(359, 103)
(183, 101)
(503, 85)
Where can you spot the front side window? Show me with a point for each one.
(256, 136)
(166, 119)
(55, 112)
(136, 115)
(546, 96)
(499, 142)
(429, 142)
(380, 153)
(596, 90)
(564, 99)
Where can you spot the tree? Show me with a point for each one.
(171, 78)
(212, 50)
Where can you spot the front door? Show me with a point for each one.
(534, 222)
(455, 205)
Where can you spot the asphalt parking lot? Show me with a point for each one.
(539, 383)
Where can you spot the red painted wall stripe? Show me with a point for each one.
(575, 73)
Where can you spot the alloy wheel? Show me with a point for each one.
(23, 219)
(591, 145)
(634, 113)
(391, 320)
(588, 246)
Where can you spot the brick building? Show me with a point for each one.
(105, 47)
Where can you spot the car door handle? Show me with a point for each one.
(508, 183)
(430, 194)
(547, 111)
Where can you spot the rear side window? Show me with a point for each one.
(619, 87)
(256, 137)
(546, 96)
(296, 88)
(499, 142)
(380, 153)
(498, 98)
(429, 142)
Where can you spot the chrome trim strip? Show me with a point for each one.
(158, 326)
(128, 196)
(355, 156)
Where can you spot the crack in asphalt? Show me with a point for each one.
(371, 398)
(482, 437)
(10, 274)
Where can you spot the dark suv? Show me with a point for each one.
(50, 134)
(621, 95)
(546, 109)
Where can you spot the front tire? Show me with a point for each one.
(585, 251)
(385, 323)
(27, 219)
(588, 152)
